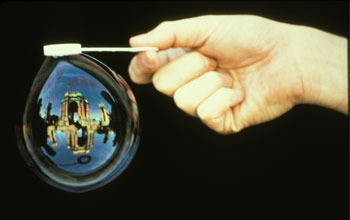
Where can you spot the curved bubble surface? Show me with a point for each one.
(80, 127)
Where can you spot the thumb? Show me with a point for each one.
(190, 32)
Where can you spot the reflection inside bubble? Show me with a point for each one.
(76, 120)
(80, 124)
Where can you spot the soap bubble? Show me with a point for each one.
(80, 124)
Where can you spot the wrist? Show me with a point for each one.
(322, 61)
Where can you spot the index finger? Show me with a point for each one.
(142, 67)
(144, 64)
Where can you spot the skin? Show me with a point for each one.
(241, 70)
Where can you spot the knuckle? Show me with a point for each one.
(164, 24)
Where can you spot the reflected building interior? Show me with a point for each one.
(76, 122)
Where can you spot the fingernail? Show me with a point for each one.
(148, 60)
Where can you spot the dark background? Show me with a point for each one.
(295, 167)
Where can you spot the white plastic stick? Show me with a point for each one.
(118, 49)
(73, 49)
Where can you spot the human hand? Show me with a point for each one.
(237, 71)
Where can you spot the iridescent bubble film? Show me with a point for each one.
(80, 124)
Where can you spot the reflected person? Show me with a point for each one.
(114, 118)
(40, 128)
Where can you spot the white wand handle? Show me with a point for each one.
(73, 49)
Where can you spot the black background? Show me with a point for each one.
(295, 166)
